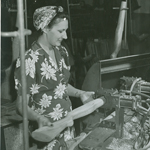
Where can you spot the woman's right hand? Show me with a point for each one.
(43, 121)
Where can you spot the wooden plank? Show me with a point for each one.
(46, 134)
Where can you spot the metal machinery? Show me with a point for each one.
(134, 94)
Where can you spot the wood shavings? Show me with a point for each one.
(121, 144)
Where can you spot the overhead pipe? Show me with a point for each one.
(15, 33)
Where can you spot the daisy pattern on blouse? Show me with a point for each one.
(18, 63)
(60, 64)
(50, 145)
(27, 52)
(70, 107)
(30, 67)
(34, 55)
(34, 89)
(45, 101)
(47, 71)
(40, 111)
(63, 65)
(57, 113)
(67, 135)
(17, 83)
(44, 82)
(65, 113)
(59, 90)
(65, 51)
(52, 62)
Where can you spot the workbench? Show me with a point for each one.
(103, 136)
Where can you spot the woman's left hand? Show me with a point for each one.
(86, 96)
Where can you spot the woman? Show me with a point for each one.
(47, 74)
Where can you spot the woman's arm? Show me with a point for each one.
(32, 115)
(83, 95)
(74, 92)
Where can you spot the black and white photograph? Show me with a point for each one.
(75, 75)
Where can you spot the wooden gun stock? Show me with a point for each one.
(46, 134)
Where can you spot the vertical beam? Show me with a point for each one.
(3, 144)
(26, 21)
(23, 74)
(131, 21)
(119, 122)
(100, 74)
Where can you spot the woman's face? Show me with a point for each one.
(57, 33)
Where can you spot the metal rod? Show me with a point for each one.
(23, 74)
(3, 144)
(70, 28)
(13, 10)
(9, 34)
(26, 21)
(133, 84)
(145, 84)
(125, 26)
(145, 88)
(130, 11)
(119, 119)
(125, 63)
(100, 75)
(15, 33)
(136, 93)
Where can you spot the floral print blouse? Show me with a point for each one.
(46, 83)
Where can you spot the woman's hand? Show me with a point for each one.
(43, 121)
(86, 96)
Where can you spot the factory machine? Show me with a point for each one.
(128, 127)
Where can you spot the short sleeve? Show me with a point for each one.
(30, 60)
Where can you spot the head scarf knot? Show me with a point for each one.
(43, 16)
